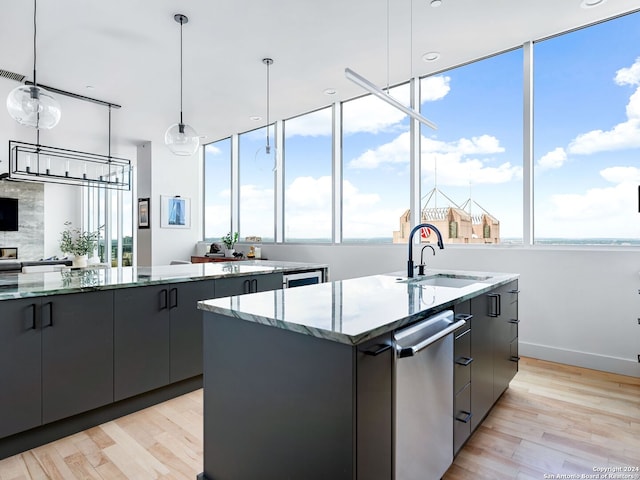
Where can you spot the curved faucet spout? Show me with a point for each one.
(415, 229)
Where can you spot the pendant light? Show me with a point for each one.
(268, 62)
(180, 138)
(32, 105)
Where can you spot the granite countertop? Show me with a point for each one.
(355, 310)
(21, 285)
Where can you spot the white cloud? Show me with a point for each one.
(553, 159)
(308, 211)
(629, 75)
(623, 135)
(314, 124)
(370, 114)
(450, 159)
(610, 209)
(211, 149)
(394, 152)
(434, 88)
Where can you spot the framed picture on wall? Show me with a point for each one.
(175, 212)
(143, 213)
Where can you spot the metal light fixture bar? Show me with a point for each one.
(77, 96)
(371, 88)
(38, 163)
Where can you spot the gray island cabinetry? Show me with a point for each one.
(79, 348)
(300, 383)
(55, 359)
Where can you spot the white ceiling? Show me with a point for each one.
(128, 50)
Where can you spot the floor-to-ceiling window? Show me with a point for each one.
(471, 167)
(376, 168)
(307, 177)
(217, 190)
(587, 134)
(257, 170)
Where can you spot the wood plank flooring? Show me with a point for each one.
(554, 419)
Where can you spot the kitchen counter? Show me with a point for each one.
(23, 285)
(355, 310)
(301, 382)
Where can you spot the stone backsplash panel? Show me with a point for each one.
(29, 239)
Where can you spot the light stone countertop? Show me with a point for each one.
(22, 285)
(355, 310)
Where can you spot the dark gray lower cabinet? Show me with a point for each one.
(56, 358)
(226, 287)
(494, 337)
(186, 328)
(77, 353)
(20, 366)
(141, 340)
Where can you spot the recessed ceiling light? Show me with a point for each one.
(90, 87)
(591, 3)
(202, 136)
(431, 56)
(330, 91)
(436, 3)
(255, 118)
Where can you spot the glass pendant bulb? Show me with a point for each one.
(34, 107)
(181, 139)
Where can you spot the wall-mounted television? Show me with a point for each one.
(8, 214)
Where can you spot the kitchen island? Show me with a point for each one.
(81, 347)
(300, 383)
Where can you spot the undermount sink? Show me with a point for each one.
(446, 280)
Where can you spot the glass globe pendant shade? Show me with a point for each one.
(181, 139)
(34, 107)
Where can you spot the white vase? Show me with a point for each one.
(228, 252)
(80, 261)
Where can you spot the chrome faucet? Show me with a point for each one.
(415, 229)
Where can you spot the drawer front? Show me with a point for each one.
(461, 418)
(462, 360)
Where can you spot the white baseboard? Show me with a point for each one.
(594, 361)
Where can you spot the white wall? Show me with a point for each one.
(577, 306)
(170, 175)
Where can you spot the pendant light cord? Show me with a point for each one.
(181, 23)
(387, 46)
(35, 3)
(268, 62)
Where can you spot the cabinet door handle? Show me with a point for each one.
(466, 418)
(464, 316)
(376, 349)
(163, 299)
(173, 298)
(33, 316)
(47, 312)
(247, 286)
(464, 361)
(254, 286)
(514, 320)
(494, 304)
(515, 358)
(515, 290)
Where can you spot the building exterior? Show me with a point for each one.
(455, 224)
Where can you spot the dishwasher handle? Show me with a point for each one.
(412, 340)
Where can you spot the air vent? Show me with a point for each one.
(11, 75)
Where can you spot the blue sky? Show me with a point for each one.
(586, 146)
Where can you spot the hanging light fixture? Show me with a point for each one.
(268, 62)
(180, 138)
(32, 105)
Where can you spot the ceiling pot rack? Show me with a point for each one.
(40, 163)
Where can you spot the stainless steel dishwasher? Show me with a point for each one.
(424, 398)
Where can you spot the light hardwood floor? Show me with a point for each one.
(554, 419)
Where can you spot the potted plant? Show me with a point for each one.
(229, 241)
(78, 243)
